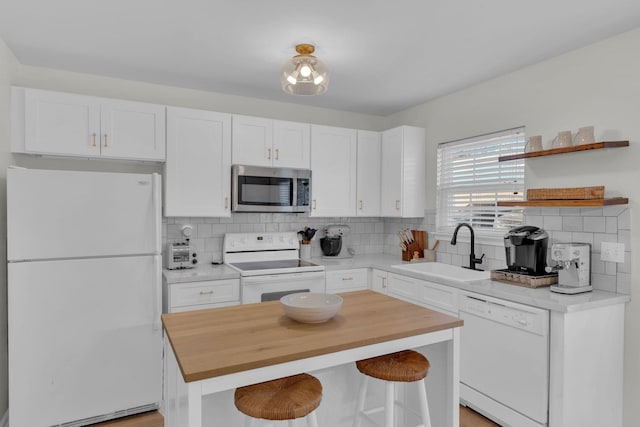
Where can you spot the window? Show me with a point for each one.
(471, 181)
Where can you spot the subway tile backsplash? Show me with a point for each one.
(377, 235)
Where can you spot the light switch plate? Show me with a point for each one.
(613, 252)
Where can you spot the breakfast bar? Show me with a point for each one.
(220, 349)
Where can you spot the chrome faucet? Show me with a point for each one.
(472, 256)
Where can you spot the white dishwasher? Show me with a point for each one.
(504, 360)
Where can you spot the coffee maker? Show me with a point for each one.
(526, 250)
(334, 241)
(573, 264)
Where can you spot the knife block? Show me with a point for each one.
(418, 245)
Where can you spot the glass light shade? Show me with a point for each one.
(304, 75)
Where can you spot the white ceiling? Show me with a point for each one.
(384, 55)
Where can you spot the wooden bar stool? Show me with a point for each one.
(401, 367)
(282, 399)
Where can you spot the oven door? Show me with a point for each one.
(272, 287)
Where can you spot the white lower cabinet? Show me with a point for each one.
(427, 294)
(347, 280)
(189, 296)
(379, 279)
(555, 357)
(403, 287)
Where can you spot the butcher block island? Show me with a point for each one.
(217, 350)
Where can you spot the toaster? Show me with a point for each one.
(180, 255)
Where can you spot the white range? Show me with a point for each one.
(270, 266)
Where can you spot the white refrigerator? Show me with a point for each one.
(84, 296)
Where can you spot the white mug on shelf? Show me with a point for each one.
(534, 144)
(562, 140)
(584, 135)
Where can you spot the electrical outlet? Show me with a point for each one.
(613, 252)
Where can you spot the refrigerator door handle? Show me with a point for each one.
(157, 273)
(157, 208)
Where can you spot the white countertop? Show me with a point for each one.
(199, 273)
(541, 297)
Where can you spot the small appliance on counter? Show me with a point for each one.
(526, 254)
(526, 250)
(334, 240)
(573, 263)
(181, 255)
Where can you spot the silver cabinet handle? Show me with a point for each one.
(277, 154)
(384, 282)
(347, 278)
(106, 144)
(268, 153)
(206, 292)
(94, 139)
(397, 205)
(315, 206)
(361, 204)
(226, 203)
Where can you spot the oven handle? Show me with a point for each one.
(288, 277)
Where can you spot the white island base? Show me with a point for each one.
(340, 384)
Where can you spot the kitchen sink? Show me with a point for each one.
(449, 273)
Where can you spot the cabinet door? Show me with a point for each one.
(198, 168)
(291, 144)
(368, 180)
(404, 287)
(132, 130)
(60, 123)
(252, 141)
(333, 166)
(391, 170)
(403, 172)
(379, 281)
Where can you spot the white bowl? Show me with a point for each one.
(311, 307)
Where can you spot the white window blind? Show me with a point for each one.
(471, 181)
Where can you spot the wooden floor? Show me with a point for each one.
(147, 419)
(468, 418)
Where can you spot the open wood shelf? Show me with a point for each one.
(568, 203)
(563, 150)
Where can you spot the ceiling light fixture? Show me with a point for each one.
(304, 74)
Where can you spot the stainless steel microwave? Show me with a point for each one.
(264, 189)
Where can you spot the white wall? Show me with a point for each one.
(598, 85)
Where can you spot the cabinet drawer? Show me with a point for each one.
(347, 280)
(205, 292)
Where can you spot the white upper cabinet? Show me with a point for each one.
(198, 167)
(132, 130)
(291, 144)
(368, 173)
(55, 123)
(333, 171)
(264, 142)
(403, 172)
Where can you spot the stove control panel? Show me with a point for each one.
(252, 242)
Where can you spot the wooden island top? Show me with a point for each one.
(221, 341)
